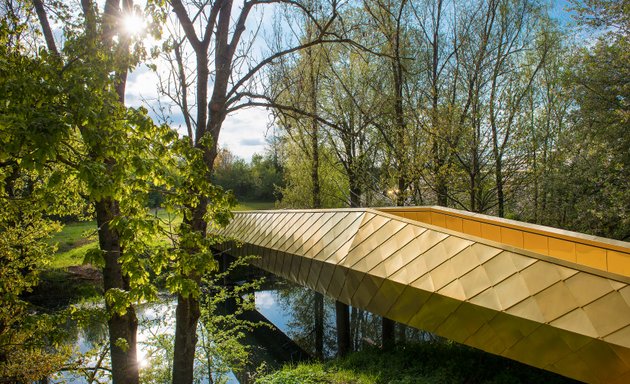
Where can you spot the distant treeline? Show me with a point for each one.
(489, 106)
(261, 179)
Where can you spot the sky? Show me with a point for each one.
(244, 133)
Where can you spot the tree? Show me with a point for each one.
(112, 151)
(513, 73)
(258, 180)
(596, 171)
(31, 189)
(233, 74)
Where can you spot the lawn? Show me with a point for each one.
(254, 205)
(75, 239)
(74, 235)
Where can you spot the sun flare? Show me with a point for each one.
(134, 24)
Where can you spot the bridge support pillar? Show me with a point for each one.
(401, 335)
(388, 328)
(342, 315)
(319, 325)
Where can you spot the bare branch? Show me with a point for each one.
(46, 30)
(186, 23)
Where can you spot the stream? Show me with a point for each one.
(291, 338)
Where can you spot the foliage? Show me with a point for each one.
(221, 331)
(222, 348)
(482, 106)
(597, 153)
(298, 190)
(414, 363)
(258, 180)
(29, 190)
(254, 205)
(66, 140)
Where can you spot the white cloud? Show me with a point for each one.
(141, 84)
(265, 300)
(243, 132)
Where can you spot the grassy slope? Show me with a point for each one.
(420, 363)
(72, 243)
(75, 239)
(67, 280)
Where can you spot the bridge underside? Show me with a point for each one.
(545, 312)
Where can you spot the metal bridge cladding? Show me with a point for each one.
(549, 298)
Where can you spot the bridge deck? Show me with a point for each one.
(533, 294)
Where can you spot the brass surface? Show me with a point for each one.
(545, 297)
(591, 251)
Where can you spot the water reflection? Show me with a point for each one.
(291, 308)
(155, 346)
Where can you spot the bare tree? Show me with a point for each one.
(225, 72)
(517, 61)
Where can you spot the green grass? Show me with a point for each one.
(73, 256)
(75, 239)
(424, 363)
(73, 235)
(315, 373)
(254, 205)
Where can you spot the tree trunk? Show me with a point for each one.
(441, 186)
(442, 192)
(400, 128)
(499, 181)
(388, 327)
(342, 312)
(319, 325)
(317, 199)
(186, 316)
(355, 187)
(122, 329)
(188, 312)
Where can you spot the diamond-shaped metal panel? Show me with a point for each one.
(525, 298)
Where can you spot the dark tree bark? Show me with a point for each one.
(313, 79)
(46, 30)
(388, 328)
(186, 315)
(121, 327)
(188, 312)
(342, 318)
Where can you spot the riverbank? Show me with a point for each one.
(67, 279)
(422, 363)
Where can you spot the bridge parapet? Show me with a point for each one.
(591, 251)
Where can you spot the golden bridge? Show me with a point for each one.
(553, 299)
